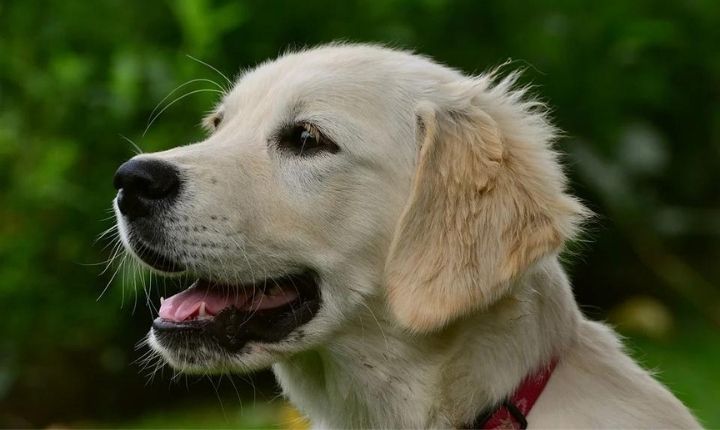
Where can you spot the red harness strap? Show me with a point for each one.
(511, 414)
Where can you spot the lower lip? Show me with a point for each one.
(167, 325)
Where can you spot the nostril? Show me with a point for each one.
(140, 181)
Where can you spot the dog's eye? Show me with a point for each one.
(305, 140)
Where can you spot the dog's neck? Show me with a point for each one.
(377, 375)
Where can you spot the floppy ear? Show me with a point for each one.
(487, 201)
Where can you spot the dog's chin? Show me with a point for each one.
(207, 361)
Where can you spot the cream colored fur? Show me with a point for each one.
(435, 230)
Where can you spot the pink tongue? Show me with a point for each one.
(188, 304)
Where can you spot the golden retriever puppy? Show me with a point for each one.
(384, 232)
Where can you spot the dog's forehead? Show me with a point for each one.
(350, 74)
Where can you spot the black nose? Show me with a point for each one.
(142, 183)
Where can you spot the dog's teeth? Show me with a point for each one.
(202, 313)
(162, 299)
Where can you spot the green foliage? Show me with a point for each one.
(634, 84)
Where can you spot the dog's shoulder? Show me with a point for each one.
(597, 384)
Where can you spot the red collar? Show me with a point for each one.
(512, 412)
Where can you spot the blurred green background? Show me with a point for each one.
(635, 85)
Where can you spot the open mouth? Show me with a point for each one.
(233, 315)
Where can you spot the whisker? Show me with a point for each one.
(109, 230)
(183, 85)
(211, 67)
(102, 293)
(217, 394)
(109, 262)
(138, 151)
(382, 332)
(152, 121)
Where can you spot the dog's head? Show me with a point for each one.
(334, 175)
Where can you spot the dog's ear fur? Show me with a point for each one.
(487, 201)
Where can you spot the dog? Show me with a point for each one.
(383, 231)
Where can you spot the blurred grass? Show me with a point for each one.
(257, 415)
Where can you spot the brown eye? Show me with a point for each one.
(305, 140)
